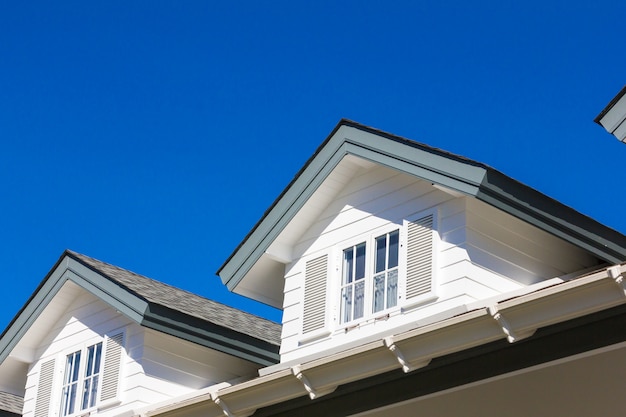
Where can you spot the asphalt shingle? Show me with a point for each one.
(185, 302)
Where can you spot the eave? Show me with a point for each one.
(613, 116)
(529, 319)
(453, 172)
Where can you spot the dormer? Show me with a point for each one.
(378, 234)
(96, 339)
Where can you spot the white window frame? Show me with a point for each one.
(82, 377)
(370, 255)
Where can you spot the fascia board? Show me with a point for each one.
(31, 310)
(212, 336)
(111, 293)
(283, 210)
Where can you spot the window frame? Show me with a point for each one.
(370, 256)
(83, 350)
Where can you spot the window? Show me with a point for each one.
(391, 269)
(361, 295)
(80, 379)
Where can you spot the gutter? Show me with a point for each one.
(513, 319)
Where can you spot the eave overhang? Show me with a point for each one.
(69, 268)
(581, 312)
(441, 168)
(613, 116)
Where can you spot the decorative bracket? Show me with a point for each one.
(221, 404)
(506, 327)
(313, 393)
(406, 365)
(615, 272)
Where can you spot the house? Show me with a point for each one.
(97, 339)
(413, 281)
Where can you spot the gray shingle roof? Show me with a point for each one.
(11, 403)
(184, 301)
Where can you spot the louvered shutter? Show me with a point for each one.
(419, 257)
(315, 277)
(44, 389)
(112, 365)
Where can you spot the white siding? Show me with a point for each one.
(481, 252)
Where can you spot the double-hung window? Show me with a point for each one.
(81, 379)
(369, 281)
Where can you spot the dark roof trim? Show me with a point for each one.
(551, 343)
(70, 267)
(610, 105)
(431, 164)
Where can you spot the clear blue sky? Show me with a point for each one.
(153, 135)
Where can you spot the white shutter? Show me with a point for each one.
(112, 365)
(419, 257)
(44, 389)
(315, 276)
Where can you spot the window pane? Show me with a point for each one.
(360, 261)
(346, 304)
(86, 393)
(90, 358)
(381, 252)
(94, 391)
(348, 263)
(71, 399)
(98, 358)
(379, 292)
(392, 288)
(75, 366)
(359, 299)
(394, 238)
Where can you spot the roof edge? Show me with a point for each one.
(609, 106)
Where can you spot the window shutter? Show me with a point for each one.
(44, 389)
(112, 365)
(314, 313)
(419, 258)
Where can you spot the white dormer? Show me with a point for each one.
(379, 234)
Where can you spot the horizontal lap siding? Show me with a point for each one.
(517, 250)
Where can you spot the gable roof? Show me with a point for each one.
(154, 305)
(439, 167)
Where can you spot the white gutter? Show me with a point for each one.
(512, 319)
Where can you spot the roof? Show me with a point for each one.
(154, 305)
(10, 403)
(439, 167)
(157, 292)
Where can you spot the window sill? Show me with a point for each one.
(419, 301)
(105, 405)
(313, 336)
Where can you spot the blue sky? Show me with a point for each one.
(153, 135)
